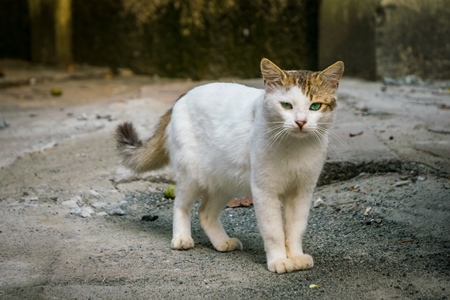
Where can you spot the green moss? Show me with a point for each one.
(196, 39)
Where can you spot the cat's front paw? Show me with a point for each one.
(282, 265)
(302, 262)
(230, 245)
(182, 243)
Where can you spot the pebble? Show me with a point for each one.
(99, 204)
(319, 202)
(401, 183)
(102, 213)
(82, 117)
(4, 125)
(94, 193)
(118, 212)
(86, 211)
(75, 211)
(30, 198)
(73, 202)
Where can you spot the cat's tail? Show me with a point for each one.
(142, 157)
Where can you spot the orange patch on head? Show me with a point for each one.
(319, 87)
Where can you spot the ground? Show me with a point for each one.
(381, 230)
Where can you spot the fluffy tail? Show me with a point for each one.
(143, 157)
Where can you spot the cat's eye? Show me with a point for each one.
(286, 105)
(315, 106)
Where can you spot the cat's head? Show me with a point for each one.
(300, 102)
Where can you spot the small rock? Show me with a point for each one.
(118, 212)
(420, 178)
(75, 211)
(123, 202)
(73, 202)
(85, 214)
(86, 211)
(319, 202)
(106, 116)
(94, 193)
(30, 198)
(99, 204)
(82, 117)
(378, 221)
(368, 209)
(402, 183)
(102, 213)
(4, 125)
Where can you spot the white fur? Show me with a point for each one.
(229, 140)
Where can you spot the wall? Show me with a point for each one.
(14, 29)
(386, 38)
(413, 37)
(197, 38)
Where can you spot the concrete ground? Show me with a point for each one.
(72, 223)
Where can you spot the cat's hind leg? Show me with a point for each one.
(209, 215)
(187, 193)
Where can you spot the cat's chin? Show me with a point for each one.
(300, 133)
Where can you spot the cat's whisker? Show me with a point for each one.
(331, 140)
(274, 128)
(335, 121)
(321, 137)
(277, 136)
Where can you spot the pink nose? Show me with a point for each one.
(300, 124)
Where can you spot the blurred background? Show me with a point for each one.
(210, 39)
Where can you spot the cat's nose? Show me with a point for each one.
(300, 123)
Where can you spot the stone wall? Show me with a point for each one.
(14, 29)
(196, 38)
(386, 38)
(413, 37)
(209, 39)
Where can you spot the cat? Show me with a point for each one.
(225, 140)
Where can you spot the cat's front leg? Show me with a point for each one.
(296, 210)
(270, 222)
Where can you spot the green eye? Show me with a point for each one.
(315, 106)
(286, 105)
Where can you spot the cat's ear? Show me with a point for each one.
(330, 77)
(272, 74)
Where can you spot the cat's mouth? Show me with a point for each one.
(300, 132)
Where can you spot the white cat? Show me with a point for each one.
(225, 140)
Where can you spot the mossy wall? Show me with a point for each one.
(347, 33)
(14, 29)
(197, 38)
(413, 37)
(386, 38)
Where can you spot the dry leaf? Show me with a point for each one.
(240, 202)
